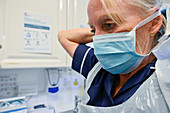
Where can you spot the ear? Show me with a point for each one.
(156, 24)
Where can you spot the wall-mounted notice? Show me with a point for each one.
(36, 33)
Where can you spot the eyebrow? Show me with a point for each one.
(107, 17)
(116, 18)
(101, 18)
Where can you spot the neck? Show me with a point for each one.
(125, 77)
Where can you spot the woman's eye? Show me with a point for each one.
(108, 26)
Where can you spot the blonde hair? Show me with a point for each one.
(143, 8)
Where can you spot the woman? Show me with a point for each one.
(123, 33)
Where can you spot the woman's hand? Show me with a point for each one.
(70, 39)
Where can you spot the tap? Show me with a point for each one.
(77, 100)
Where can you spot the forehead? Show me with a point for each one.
(95, 5)
(95, 10)
(120, 5)
(120, 9)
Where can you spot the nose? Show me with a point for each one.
(98, 32)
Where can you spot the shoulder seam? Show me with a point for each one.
(81, 68)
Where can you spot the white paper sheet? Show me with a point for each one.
(36, 33)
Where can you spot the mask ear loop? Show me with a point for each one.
(140, 50)
(145, 21)
(148, 19)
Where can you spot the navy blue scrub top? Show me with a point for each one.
(100, 91)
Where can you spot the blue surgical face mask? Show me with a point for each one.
(116, 52)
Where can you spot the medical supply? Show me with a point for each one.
(13, 105)
(53, 77)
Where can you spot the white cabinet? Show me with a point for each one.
(11, 32)
(63, 14)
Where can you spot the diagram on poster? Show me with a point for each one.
(36, 33)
